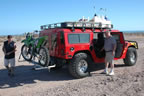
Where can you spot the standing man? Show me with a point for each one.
(109, 47)
(9, 49)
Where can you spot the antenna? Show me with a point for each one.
(94, 10)
(94, 7)
(103, 10)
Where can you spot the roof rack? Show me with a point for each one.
(74, 25)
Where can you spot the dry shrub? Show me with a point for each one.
(135, 34)
(19, 38)
(2, 39)
(15, 38)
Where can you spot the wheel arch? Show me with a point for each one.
(132, 46)
(84, 51)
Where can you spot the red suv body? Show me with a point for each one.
(65, 43)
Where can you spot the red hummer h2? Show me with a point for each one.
(76, 45)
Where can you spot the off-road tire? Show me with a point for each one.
(73, 65)
(47, 56)
(22, 48)
(130, 60)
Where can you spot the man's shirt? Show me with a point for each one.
(109, 44)
(9, 47)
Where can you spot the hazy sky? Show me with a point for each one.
(19, 16)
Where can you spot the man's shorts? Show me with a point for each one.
(109, 57)
(9, 61)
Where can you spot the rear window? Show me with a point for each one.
(78, 38)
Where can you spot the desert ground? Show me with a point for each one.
(128, 80)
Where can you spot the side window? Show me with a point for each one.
(84, 38)
(78, 38)
(117, 37)
(73, 38)
(95, 36)
(98, 35)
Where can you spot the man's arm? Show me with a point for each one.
(102, 49)
(12, 51)
(114, 47)
(3, 49)
(15, 48)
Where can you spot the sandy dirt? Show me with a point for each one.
(128, 81)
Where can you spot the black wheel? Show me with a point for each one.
(44, 56)
(131, 57)
(79, 65)
(26, 52)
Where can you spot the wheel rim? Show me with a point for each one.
(83, 65)
(132, 57)
(26, 52)
(42, 58)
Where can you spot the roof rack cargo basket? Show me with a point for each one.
(77, 25)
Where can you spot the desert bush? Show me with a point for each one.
(135, 34)
(15, 38)
(3, 38)
(19, 38)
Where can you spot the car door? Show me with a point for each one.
(120, 43)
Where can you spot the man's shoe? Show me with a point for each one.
(89, 74)
(105, 72)
(111, 73)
